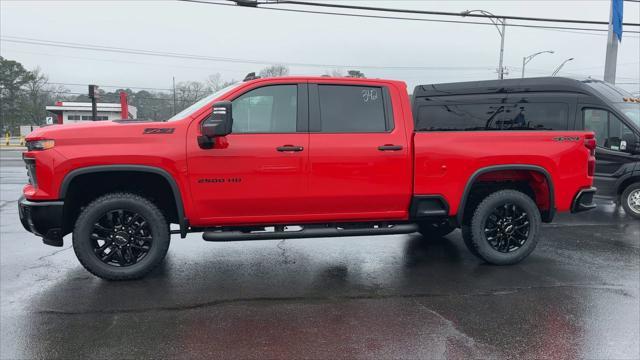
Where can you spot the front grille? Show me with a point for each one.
(31, 171)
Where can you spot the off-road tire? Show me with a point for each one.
(84, 249)
(476, 238)
(466, 237)
(630, 191)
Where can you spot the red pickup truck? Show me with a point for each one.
(296, 157)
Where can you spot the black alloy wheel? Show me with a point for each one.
(121, 238)
(504, 227)
(507, 228)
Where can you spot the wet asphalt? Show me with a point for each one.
(400, 296)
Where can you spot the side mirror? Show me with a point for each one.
(632, 144)
(220, 122)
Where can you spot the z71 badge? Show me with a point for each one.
(158, 131)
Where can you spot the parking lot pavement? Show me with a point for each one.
(398, 296)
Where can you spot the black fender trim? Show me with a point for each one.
(427, 206)
(183, 222)
(546, 217)
(623, 179)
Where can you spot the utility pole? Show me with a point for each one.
(501, 66)
(500, 24)
(93, 95)
(174, 95)
(615, 15)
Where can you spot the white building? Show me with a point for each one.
(72, 112)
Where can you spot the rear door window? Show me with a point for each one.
(351, 109)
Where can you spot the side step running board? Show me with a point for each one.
(307, 233)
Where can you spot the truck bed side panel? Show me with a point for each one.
(446, 161)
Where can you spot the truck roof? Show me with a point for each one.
(538, 84)
(326, 78)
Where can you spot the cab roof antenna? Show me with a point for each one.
(251, 76)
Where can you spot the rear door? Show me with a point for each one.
(360, 161)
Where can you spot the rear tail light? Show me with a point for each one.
(591, 143)
(591, 167)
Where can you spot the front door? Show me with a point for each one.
(258, 173)
(612, 154)
(360, 163)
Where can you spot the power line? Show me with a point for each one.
(441, 13)
(31, 41)
(542, 27)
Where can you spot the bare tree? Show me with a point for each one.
(38, 94)
(274, 71)
(215, 82)
(188, 92)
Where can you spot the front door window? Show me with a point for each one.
(611, 133)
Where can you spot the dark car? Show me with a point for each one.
(547, 103)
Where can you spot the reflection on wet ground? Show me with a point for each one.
(371, 297)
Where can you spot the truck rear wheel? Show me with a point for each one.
(121, 236)
(504, 228)
(630, 200)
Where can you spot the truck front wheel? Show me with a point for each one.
(504, 228)
(121, 236)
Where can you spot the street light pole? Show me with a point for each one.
(557, 70)
(500, 24)
(526, 59)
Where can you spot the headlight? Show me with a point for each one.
(36, 145)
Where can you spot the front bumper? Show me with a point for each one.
(584, 200)
(42, 218)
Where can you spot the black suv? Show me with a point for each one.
(547, 103)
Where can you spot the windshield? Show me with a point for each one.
(200, 103)
(631, 111)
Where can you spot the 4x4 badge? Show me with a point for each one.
(566, 138)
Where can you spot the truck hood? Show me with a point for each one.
(103, 130)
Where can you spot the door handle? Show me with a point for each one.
(389, 147)
(287, 148)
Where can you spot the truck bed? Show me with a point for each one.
(449, 161)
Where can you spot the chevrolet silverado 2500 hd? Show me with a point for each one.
(297, 157)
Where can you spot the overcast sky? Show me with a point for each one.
(453, 52)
